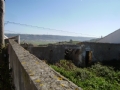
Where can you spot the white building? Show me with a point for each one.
(113, 37)
(5, 37)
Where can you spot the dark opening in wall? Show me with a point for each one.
(88, 58)
(67, 54)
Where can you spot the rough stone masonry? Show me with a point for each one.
(30, 73)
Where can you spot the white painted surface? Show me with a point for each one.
(111, 38)
(5, 37)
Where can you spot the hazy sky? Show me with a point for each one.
(89, 17)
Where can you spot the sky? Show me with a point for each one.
(91, 18)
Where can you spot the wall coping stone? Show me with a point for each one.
(41, 74)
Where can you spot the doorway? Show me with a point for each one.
(88, 58)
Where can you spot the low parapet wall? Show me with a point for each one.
(30, 73)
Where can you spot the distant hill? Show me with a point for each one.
(50, 38)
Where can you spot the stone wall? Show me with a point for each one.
(52, 53)
(30, 73)
(82, 54)
(102, 51)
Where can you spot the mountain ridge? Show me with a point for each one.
(49, 37)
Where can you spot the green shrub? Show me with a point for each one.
(96, 77)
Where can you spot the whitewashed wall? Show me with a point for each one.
(111, 38)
